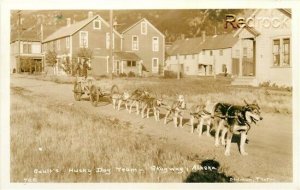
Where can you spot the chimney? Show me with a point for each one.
(68, 21)
(90, 14)
(203, 36)
(115, 23)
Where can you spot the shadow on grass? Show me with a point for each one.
(209, 173)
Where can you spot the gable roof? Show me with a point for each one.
(195, 45)
(123, 29)
(73, 28)
(287, 12)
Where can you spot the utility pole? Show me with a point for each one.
(178, 67)
(19, 43)
(111, 42)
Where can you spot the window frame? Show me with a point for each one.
(281, 52)
(146, 28)
(155, 69)
(155, 43)
(80, 39)
(221, 52)
(137, 43)
(100, 24)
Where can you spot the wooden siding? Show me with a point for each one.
(145, 51)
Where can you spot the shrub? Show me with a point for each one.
(122, 75)
(170, 74)
(131, 74)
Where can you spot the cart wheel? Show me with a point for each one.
(94, 95)
(77, 91)
(114, 89)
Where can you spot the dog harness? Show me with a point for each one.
(239, 117)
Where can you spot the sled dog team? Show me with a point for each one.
(226, 118)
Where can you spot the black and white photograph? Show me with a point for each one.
(149, 95)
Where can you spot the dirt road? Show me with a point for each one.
(269, 147)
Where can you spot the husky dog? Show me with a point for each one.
(237, 120)
(196, 113)
(118, 99)
(154, 104)
(218, 115)
(176, 110)
(137, 98)
(205, 117)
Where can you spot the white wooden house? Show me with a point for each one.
(271, 43)
(202, 56)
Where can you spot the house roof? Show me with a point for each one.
(126, 56)
(220, 41)
(73, 28)
(287, 12)
(195, 45)
(126, 27)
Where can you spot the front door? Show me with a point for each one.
(248, 53)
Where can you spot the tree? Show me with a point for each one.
(85, 53)
(51, 60)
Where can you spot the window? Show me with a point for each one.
(286, 51)
(67, 42)
(211, 53)
(244, 52)
(83, 39)
(135, 43)
(143, 28)
(108, 40)
(155, 44)
(26, 48)
(155, 65)
(221, 52)
(224, 68)
(58, 45)
(281, 52)
(200, 66)
(131, 63)
(97, 24)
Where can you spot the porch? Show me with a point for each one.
(244, 61)
(127, 62)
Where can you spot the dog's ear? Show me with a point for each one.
(246, 102)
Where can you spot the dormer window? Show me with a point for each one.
(144, 28)
(97, 24)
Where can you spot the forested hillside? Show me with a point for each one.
(173, 23)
